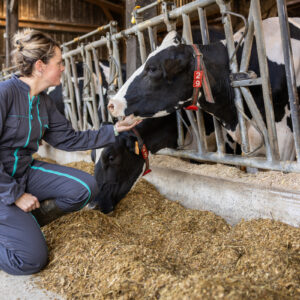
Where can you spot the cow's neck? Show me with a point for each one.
(159, 133)
(217, 64)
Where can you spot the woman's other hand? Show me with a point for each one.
(27, 202)
(128, 123)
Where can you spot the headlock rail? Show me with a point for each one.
(82, 110)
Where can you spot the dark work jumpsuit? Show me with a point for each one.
(23, 123)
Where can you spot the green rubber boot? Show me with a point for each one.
(47, 212)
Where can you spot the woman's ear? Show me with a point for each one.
(39, 67)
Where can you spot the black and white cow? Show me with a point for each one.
(164, 83)
(118, 166)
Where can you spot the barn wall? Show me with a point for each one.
(79, 15)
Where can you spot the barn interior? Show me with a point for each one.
(185, 230)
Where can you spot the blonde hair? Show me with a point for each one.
(30, 46)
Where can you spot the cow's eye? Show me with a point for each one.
(152, 69)
(111, 158)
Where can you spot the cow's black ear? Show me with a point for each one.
(131, 144)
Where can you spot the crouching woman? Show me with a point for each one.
(30, 187)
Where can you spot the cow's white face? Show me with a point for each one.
(141, 86)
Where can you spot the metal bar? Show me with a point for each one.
(69, 86)
(247, 45)
(258, 119)
(117, 61)
(248, 82)
(174, 14)
(264, 73)
(77, 91)
(152, 39)
(290, 73)
(205, 41)
(284, 166)
(142, 9)
(94, 110)
(180, 139)
(82, 37)
(99, 85)
(234, 68)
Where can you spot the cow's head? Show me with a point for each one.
(116, 171)
(160, 85)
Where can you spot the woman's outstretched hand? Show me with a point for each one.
(27, 202)
(128, 123)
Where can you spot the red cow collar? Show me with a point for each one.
(200, 76)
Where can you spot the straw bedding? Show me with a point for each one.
(153, 248)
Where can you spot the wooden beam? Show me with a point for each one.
(53, 26)
(117, 8)
(107, 13)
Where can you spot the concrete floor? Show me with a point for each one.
(22, 288)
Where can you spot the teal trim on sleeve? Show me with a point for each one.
(68, 176)
(16, 162)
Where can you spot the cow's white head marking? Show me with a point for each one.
(118, 104)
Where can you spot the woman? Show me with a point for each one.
(28, 115)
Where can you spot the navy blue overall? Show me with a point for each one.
(24, 121)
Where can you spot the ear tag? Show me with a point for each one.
(197, 82)
(136, 148)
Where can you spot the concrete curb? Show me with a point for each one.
(229, 199)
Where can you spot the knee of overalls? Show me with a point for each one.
(25, 262)
(79, 195)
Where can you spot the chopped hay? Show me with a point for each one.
(153, 248)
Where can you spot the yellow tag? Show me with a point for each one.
(136, 148)
(132, 19)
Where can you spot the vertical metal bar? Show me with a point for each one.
(234, 68)
(152, 39)
(180, 139)
(205, 41)
(247, 45)
(290, 72)
(116, 55)
(200, 136)
(142, 45)
(263, 66)
(77, 92)
(187, 29)
(94, 108)
(99, 85)
(71, 94)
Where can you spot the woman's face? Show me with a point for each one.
(53, 69)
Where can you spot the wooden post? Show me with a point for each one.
(11, 27)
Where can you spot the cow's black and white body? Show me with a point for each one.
(164, 83)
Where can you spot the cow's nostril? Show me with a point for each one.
(111, 107)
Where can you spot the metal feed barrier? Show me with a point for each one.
(79, 112)
(268, 131)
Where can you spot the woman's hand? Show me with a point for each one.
(127, 124)
(27, 202)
